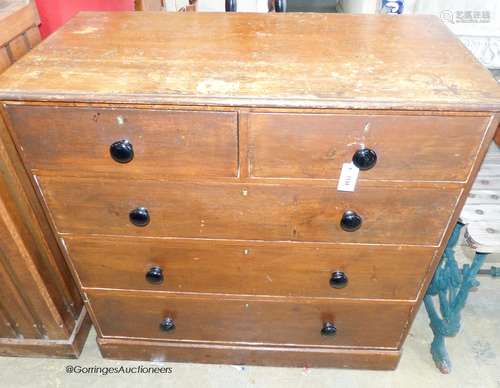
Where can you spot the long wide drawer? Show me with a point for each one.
(199, 318)
(408, 147)
(248, 212)
(226, 267)
(160, 143)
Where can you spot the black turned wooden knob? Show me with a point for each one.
(154, 275)
(328, 328)
(122, 151)
(351, 221)
(167, 324)
(139, 216)
(338, 279)
(230, 5)
(364, 159)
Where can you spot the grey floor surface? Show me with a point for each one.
(475, 354)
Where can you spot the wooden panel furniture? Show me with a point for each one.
(19, 32)
(41, 311)
(193, 187)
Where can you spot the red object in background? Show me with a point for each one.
(54, 13)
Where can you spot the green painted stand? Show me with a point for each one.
(452, 286)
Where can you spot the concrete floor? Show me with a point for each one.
(475, 354)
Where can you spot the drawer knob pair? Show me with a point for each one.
(350, 222)
(167, 324)
(122, 151)
(155, 275)
(328, 329)
(364, 159)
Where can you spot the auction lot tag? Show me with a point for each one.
(348, 177)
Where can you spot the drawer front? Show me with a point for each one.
(248, 212)
(412, 148)
(126, 314)
(279, 269)
(77, 141)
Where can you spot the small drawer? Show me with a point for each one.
(396, 147)
(249, 212)
(227, 267)
(144, 143)
(199, 318)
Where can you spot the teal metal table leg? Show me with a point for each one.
(493, 271)
(452, 287)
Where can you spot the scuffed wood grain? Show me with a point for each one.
(249, 268)
(407, 147)
(244, 320)
(267, 287)
(165, 142)
(248, 211)
(302, 60)
(129, 349)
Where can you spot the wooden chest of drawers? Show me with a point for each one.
(193, 183)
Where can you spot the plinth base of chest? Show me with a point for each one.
(311, 357)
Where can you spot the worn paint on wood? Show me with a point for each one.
(282, 213)
(246, 59)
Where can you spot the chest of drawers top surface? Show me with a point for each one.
(282, 60)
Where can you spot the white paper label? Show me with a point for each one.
(348, 177)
